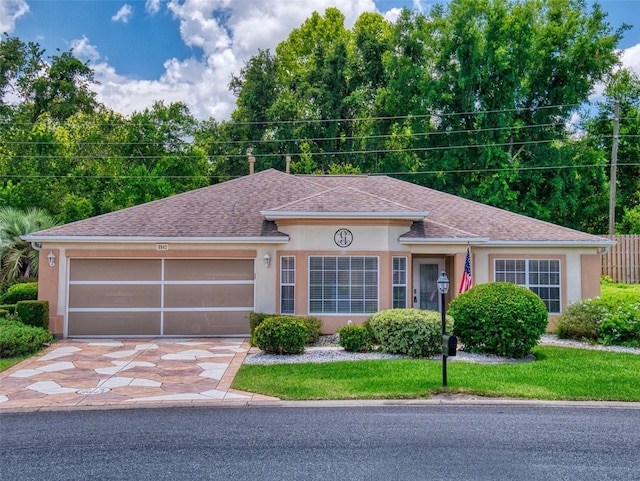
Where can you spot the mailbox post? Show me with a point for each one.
(449, 342)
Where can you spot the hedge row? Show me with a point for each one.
(17, 339)
(614, 320)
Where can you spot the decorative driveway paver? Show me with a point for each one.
(76, 372)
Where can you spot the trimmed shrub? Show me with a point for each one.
(5, 285)
(255, 319)
(354, 338)
(33, 313)
(581, 321)
(499, 318)
(10, 308)
(3, 313)
(27, 291)
(281, 335)
(412, 332)
(621, 326)
(17, 339)
(313, 325)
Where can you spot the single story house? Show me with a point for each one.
(336, 247)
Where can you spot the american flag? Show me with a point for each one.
(466, 282)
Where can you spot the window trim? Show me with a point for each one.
(291, 259)
(527, 260)
(405, 284)
(364, 257)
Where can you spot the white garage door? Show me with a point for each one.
(159, 297)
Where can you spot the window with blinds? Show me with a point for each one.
(343, 285)
(287, 284)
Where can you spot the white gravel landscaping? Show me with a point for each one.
(327, 350)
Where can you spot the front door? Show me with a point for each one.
(425, 283)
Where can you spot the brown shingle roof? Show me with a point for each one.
(233, 209)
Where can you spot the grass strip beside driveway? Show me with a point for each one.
(557, 374)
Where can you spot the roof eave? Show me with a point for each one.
(161, 240)
(486, 242)
(443, 240)
(552, 243)
(274, 215)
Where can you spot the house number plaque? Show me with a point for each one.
(343, 237)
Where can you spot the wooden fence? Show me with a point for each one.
(622, 261)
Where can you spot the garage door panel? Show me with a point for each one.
(160, 297)
(208, 269)
(115, 270)
(102, 296)
(227, 295)
(114, 323)
(205, 323)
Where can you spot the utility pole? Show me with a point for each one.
(614, 167)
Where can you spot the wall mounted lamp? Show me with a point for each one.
(51, 257)
(267, 260)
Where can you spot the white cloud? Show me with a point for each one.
(124, 14)
(392, 15)
(631, 58)
(226, 33)
(152, 6)
(10, 11)
(84, 50)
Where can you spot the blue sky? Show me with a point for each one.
(186, 50)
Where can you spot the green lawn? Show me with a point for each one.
(557, 374)
(609, 289)
(7, 362)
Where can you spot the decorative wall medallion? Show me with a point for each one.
(343, 238)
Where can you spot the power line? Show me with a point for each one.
(422, 172)
(514, 143)
(315, 139)
(436, 114)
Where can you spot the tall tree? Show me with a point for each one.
(59, 86)
(509, 76)
(623, 87)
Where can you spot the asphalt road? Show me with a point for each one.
(323, 443)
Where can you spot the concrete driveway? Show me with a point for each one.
(101, 372)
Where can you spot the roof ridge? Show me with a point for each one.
(309, 178)
(382, 198)
(302, 199)
(493, 207)
(430, 221)
(326, 190)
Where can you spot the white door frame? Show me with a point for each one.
(415, 293)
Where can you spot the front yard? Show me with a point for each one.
(558, 373)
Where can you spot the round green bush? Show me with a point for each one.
(499, 318)
(581, 321)
(281, 335)
(354, 338)
(313, 325)
(412, 332)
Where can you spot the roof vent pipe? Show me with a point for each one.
(288, 164)
(252, 160)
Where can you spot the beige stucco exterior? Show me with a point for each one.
(580, 266)
(196, 262)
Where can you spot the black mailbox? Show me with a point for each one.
(449, 345)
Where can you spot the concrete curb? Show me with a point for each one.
(437, 401)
